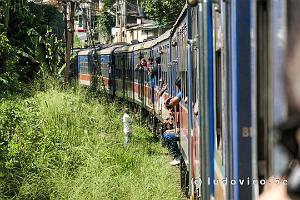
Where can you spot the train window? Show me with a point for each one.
(218, 43)
(218, 98)
(194, 73)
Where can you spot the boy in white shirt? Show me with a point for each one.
(127, 122)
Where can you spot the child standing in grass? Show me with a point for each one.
(127, 121)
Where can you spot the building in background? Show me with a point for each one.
(131, 23)
(85, 21)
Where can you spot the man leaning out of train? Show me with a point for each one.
(172, 137)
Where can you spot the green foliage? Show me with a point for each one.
(47, 16)
(105, 21)
(163, 12)
(47, 51)
(8, 72)
(77, 42)
(63, 146)
(30, 46)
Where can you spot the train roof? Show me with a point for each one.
(135, 47)
(163, 37)
(122, 49)
(148, 44)
(84, 52)
(109, 50)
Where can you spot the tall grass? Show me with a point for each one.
(62, 145)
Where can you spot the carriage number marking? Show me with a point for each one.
(246, 131)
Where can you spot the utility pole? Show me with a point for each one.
(69, 34)
(123, 20)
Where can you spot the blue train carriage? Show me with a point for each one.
(85, 66)
(219, 91)
(199, 53)
(225, 98)
(107, 63)
(161, 49)
(123, 74)
(208, 111)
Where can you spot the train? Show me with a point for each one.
(230, 57)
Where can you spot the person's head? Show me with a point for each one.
(143, 61)
(178, 83)
(150, 60)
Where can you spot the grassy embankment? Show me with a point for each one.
(61, 145)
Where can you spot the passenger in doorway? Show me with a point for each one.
(149, 66)
(151, 79)
(141, 65)
(171, 137)
(127, 122)
(161, 90)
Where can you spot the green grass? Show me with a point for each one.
(61, 145)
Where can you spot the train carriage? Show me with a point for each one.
(124, 80)
(107, 61)
(85, 66)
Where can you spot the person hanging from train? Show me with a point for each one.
(176, 99)
(151, 79)
(149, 66)
(141, 65)
(172, 137)
(140, 71)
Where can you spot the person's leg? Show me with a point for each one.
(171, 140)
(152, 94)
(127, 138)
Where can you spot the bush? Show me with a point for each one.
(8, 72)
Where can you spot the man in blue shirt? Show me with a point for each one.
(171, 137)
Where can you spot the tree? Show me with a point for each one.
(22, 57)
(163, 12)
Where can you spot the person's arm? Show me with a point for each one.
(162, 91)
(170, 131)
(175, 100)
